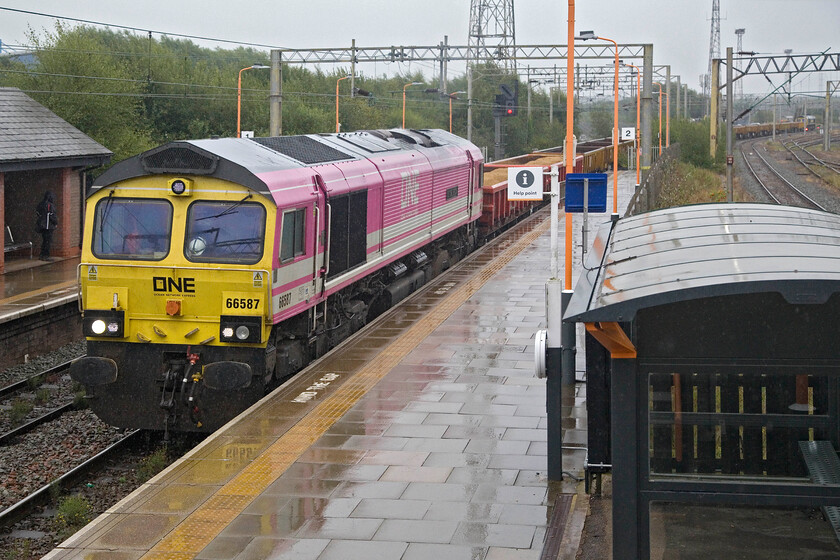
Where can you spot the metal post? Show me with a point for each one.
(585, 214)
(730, 160)
(647, 111)
(529, 95)
(554, 384)
(679, 92)
(353, 69)
(625, 455)
(827, 118)
(714, 113)
(469, 102)
(497, 125)
(567, 342)
(444, 66)
(550, 107)
(774, 117)
(275, 106)
(555, 216)
(668, 106)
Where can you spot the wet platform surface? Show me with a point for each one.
(30, 286)
(425, 437)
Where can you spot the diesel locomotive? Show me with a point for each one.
(214, 269)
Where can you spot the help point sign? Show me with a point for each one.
(525, 183)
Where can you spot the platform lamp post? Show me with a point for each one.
(585, 36)
(239, 96)
(337, 125)
(638, 119)
(404, 88)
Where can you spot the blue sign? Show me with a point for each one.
(597, 199)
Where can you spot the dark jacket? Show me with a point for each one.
(47, 212)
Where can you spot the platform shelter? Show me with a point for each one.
(713, 380)
(40, 151)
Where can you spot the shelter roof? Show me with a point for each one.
(693, 252)
(33, 137)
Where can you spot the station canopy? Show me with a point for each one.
(692, 252)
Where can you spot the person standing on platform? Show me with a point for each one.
(46, 223)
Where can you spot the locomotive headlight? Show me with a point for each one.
(104, 323)
(240, 328)
(180, 187)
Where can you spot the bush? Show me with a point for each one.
(152, 464)
(688, 184)
(20, 410)
(74, 512)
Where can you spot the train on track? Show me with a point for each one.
(214, 269)
(754, 130)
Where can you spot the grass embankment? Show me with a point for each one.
(688, 184)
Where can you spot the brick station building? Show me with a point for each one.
(40, 151)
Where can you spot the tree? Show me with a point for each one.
(91, 89)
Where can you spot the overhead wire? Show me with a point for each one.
(142, 29)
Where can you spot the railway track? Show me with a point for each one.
(777, 187)
(25, 506)
(811, 158)
(35, 400)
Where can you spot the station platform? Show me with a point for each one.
(423, 436)
(30, 286)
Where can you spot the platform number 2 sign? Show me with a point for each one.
(628, 133)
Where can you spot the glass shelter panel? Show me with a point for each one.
(739, 425)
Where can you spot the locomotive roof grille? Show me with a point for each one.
(178, 159)
(303, 149)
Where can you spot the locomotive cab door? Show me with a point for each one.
(319, 239)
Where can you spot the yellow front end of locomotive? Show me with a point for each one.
(177, 260)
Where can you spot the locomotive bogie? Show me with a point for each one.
(156, 388)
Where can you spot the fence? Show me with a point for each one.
(644, 200)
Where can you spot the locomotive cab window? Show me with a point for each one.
(225, 232)
(292, 242)
(132, 229)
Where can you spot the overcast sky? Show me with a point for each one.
(678, 29)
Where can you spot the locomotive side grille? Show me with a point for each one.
(180, 160)
(303, 149)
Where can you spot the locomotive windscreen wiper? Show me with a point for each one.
(108, 202)
(228, 210)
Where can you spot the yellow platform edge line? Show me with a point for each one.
(194, 533)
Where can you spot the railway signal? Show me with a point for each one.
(505, 104)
